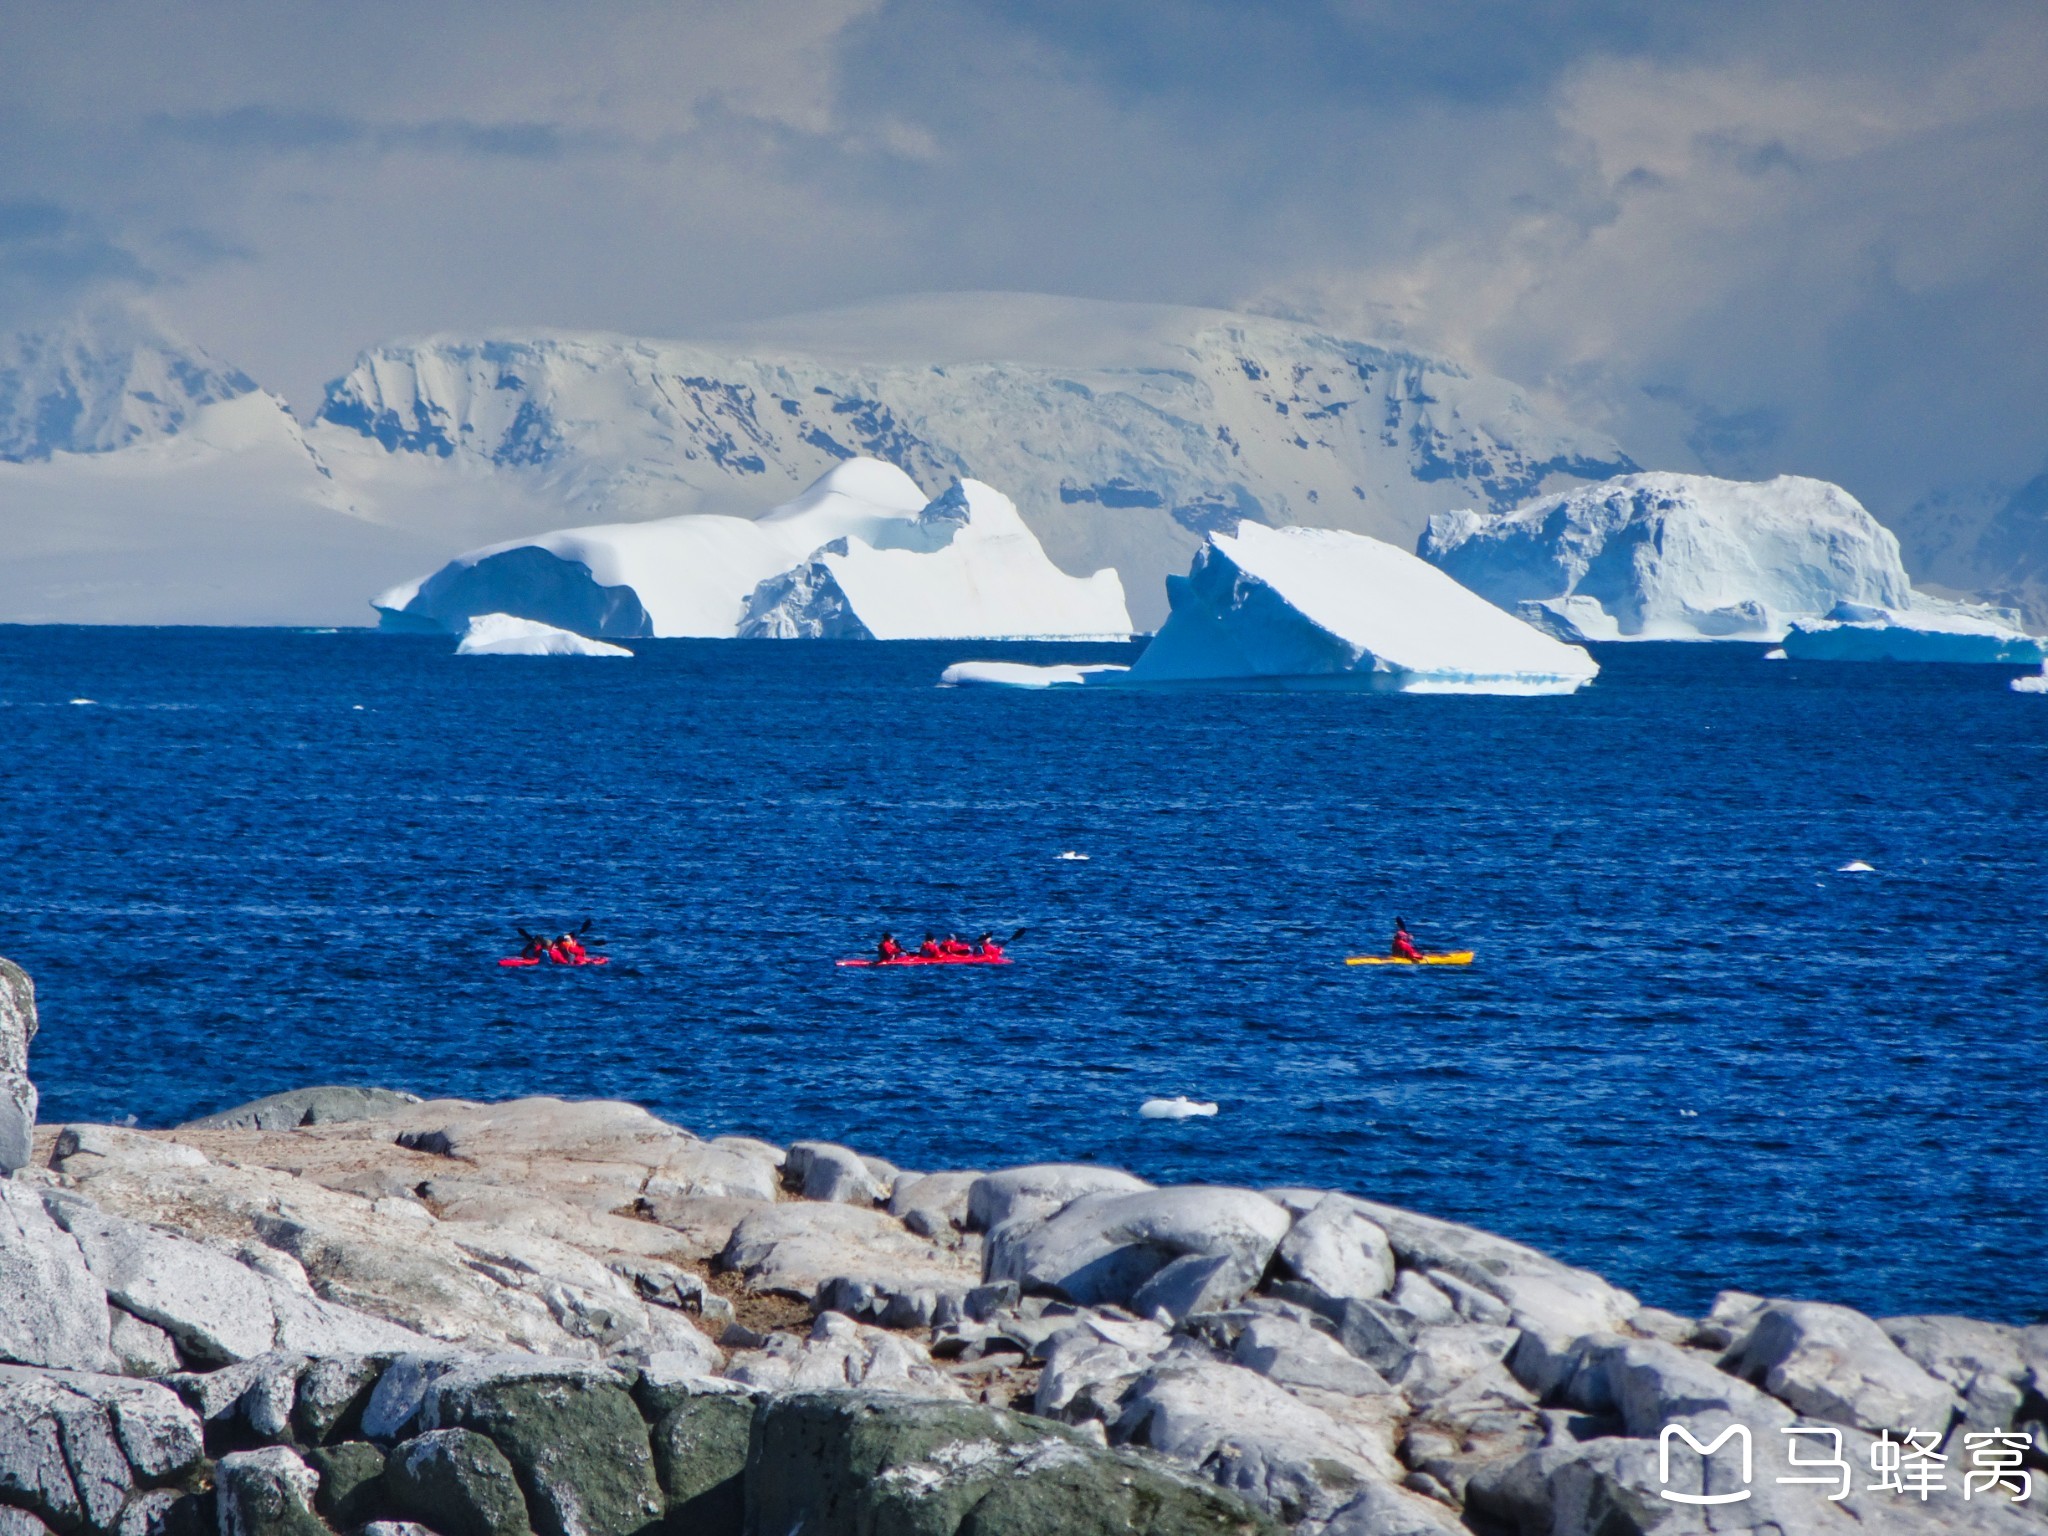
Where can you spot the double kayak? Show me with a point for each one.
(551, 960)
(903, 960)
(1448, 957)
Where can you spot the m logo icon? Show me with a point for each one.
(1736, 1432)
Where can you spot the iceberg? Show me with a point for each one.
(1675, 557)
(1017, 674)
(1929, 630)
(861, 554)
(2036, 683)
(1317, 607)
(500, 634)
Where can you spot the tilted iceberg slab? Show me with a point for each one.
(1674, 557)
(1318, 608)
(500, 634)
(861, 554)
(1930, 630)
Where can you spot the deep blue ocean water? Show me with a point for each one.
(1692, 1055)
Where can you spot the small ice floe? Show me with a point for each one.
(85, 701)
(1688, 1114)
(355, 706)
(1855, 867)
(1017, 674)
(1775, 655)
(1074, 858)
(2033, 682)
(1179, 1107)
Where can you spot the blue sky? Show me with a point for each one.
(1748, 237)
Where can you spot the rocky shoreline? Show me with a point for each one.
(351, 1310)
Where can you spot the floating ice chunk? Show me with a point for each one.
(1074, 858)
(1673, 557)
(2038, 683)
(1017, 674)
(500, 634)
(85, 701)
(1776, 653)
(1317, 608)
(1179, 1107)
(1928, 629)
(1855, 867)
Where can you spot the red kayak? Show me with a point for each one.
(890, 965)
(551, 960)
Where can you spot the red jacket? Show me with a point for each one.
(929, 949)
(890, 949)
(1404, 946)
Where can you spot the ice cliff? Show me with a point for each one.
(1671, 557)
(861, 554)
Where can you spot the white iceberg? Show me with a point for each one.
(1018, 674)
(1179, 1107)
(1675, 557)
(862, 554)
(2037, 683)
(500, 634)
(1929, 630)
(1315, 607)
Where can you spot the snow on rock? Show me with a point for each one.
(500, 634)
(1315, 607)
(1929, 630)
(860, 555)
(1674, 557)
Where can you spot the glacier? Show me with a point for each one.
(1675, 557)
(1316, 608)
(501, 634)
(1929, 630)
(861, 554)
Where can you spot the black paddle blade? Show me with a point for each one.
(1013, 938)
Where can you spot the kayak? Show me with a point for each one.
(586, 960)
(890, 965)
(1451, 957)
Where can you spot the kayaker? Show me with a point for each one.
(536, 947)
(988, 948)
(929, 949)
(888, 949)
(955, 945)
(1404, 941)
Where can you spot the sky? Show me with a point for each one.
(1753, 238)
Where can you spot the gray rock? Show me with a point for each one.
(795, 1248)
(1101, 1248)
(720, 1170)
(1091, 1365)
(393, 1409)
(569, 1429)
(214, 1307)
(52, 1311)
(1472, 1305)
(81, 1151)
(1426, 1305)
(1294, 1354)
(838, 1354)
(821, 1170)
(839, 1464)
(1384, 1511)
(143, 1349)
(255, 1395)
(1833, 1364)
(1381, 1335)
(458, 1483)
(72, 1442)
(700, 1459)
(166, 1512)
(1442, 1359)
(19, 1522)
(397, 1528)
(306, 1106)
(1039, 1190)
(1339, 1250)
(17, 1093)
(933, 1204)
(1194, 1282)
(1986, 1364)
(351, 1477)
(1647, 1384)
(333, 1393)
(267, 1493)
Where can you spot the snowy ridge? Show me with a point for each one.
(1669, 556)
(1165, 424)
(860, 554)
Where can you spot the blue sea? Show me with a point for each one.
(1693, 1053)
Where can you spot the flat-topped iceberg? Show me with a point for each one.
(1929, 630)
(1675, 557)
(1018, 674)
(500, 634)
(862, 554)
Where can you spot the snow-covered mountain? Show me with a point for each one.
(861, 554)
(1124, 432)
(1664, 556)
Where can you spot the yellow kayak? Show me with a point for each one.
(1450, 957)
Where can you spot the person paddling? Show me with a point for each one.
(888, 950)
(929, 949)
(955, 946)
(571, 950)
(1404, 941)
(988, 948)
(536, 947)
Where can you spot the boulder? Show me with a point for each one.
(822, 1170)
(1194, 1282)
(17, 1093)
(700, 1459)
(1294, 1354)
(714, 1170)
(217, 1309)
(570, 1431)
(72, 1443)
(1381, 1510)
(1101, 1248)
(838, 1464)
(306, 1106)
(168, 1512)
(840, 1353)
(143, 1349)
(1252, 1436)
(1039, 1190)
(458, 1483)
(1339, 1250)
(1442, 1359)
(19, 1522)
(80, 1151)
(1986, 1364)
(267, 1493)
(1834, 1364)
(933, 1204)
(1090, 1366)
(351, 1477)
(333, 1393)
(53, 1312)
(795, 1248)
(702, 1224)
